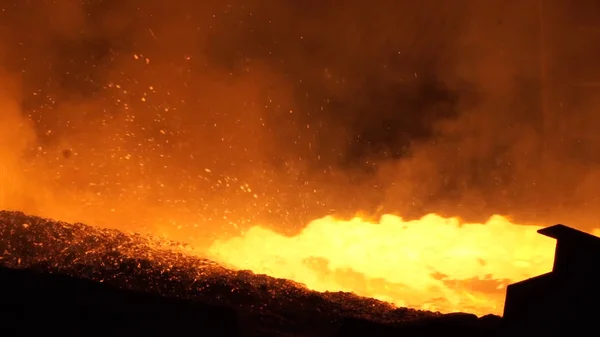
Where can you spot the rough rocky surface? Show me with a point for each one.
(266, 306)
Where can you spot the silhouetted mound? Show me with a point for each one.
(40, 304)
(457, 324)
(266, 306)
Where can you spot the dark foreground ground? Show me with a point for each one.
(75, 280)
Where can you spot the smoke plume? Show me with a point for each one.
(218, 115)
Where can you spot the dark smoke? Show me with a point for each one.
(319, 107)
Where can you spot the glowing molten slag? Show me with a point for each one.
(434, 263)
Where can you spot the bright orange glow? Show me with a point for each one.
(433, 263)
(183, 133)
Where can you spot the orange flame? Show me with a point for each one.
(434, 263)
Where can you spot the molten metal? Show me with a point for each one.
(434, 263)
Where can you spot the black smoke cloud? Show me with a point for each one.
(226, 114)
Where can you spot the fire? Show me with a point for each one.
(433, 263)
(165, 153)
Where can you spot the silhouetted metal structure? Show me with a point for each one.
(564, 300)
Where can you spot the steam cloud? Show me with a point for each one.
(231, 113)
